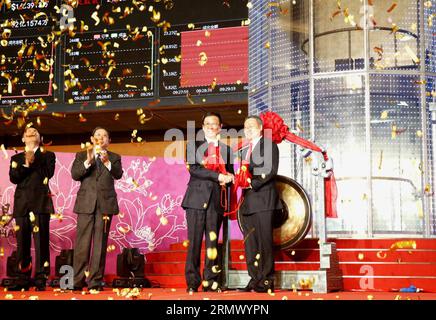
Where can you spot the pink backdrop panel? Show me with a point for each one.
(149, 196)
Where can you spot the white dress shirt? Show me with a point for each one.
(108, 164)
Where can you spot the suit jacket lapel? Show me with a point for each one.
(257, 150)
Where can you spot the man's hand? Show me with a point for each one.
(104, 157)
(30, 157)
(225, 178)
(90, 153)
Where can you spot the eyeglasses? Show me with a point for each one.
(208, 124)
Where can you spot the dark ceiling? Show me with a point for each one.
(66, 129)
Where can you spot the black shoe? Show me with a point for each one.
(266, 286)
(18, 288)
(248, 288)
(191, 290)
(40, 284)
(209, 289)
(95, 288)
(77, 289)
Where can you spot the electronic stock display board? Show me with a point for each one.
(115, 53)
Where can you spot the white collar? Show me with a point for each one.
(214, 141)
(34, 149)
(255, 141)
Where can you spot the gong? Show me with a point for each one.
(291, 224)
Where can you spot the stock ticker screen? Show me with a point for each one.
(91, 53)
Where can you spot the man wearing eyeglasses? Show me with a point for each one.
(96, 203)
(261, 199)
(210, 169)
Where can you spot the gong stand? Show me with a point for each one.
(328, 278)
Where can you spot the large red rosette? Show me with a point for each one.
(275, 128)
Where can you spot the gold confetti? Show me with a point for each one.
(394, 131)
(191, 26)
(241, 257)
(124, 229)
(16, 228)
(370, 297)
(203, 58)
(392, 7)
(258, 256)
(411, 244)
(384, 115)
(214, 285)
(212, 253)
(205, 283)
(158, 211)
(216, 269)
(45, 181)
(212, 236)
(381, 255)
(213, 84)
(46, 264)
(35, 229)
(86, 273)
(58, 115)
(14, 165)
(5, 153)
(100, 103)
(185, 243)
(164, 221)
(267, 45)
(360, 256)
(256, 263)
(95, 17)
(32, 216)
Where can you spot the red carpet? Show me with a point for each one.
(180, 294)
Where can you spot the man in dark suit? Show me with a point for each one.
(261, 199)
(210, 170)
(96, 203)
(30, 171)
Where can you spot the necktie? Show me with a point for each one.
(98, 162)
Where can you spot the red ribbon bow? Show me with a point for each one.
(274, 127)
